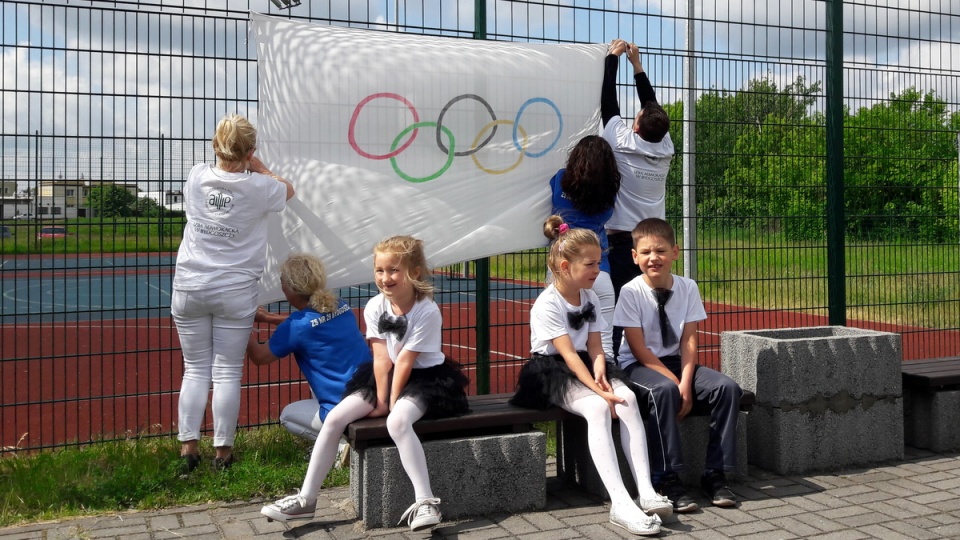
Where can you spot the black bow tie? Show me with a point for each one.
(666, 330)
(576, 318)
(398, 326)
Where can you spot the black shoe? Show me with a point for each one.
(222, 464)
(188, 463)
(714, 484)
(671, 486)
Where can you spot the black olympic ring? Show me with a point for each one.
(446, 108)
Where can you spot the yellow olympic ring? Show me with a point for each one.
(476, 142)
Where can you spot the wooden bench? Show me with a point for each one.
(931, 403)
(490, 460)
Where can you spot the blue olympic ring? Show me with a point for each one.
(516, 125)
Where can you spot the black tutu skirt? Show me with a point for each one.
(545, 380)
(442, 388)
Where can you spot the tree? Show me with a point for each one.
(147, 207)
(898, 168)
(112, 201)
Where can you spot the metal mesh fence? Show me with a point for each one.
(103, 94)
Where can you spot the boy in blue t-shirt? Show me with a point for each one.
(659, 312)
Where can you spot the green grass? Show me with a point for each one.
(123, 235)
(142, 474)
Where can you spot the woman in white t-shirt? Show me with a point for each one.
(215, 295)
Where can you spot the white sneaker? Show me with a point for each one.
(641, 524)
(290, 508)
(658, 504)
(422, 514)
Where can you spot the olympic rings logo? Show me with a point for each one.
(446, 142)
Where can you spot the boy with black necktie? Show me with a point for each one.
(659, 312)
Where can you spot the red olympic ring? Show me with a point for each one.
(353, 124)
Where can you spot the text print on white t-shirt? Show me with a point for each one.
(220, 201)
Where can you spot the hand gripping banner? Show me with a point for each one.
(453, 141)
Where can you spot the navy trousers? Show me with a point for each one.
(714, 393)
(622, 270)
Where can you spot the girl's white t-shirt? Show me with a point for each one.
(548, 320)
(225, 240)
(423, 334)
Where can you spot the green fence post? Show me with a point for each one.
(482, 266)
(836, 270)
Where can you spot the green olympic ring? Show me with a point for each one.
(450, 153)
(476, 142)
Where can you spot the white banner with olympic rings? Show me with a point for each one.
(453, 141)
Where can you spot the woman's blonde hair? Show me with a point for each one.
(412, 257)
(305, 275)
(566, 243)
(234, 139)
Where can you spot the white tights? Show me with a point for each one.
(596, 412)
(400, 425)
(353, 407)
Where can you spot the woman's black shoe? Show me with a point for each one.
(222, 464)
(188, 463)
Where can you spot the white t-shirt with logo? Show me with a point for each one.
(225, 240)
(423, 334)
(643, 169)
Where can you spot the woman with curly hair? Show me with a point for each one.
(584, 193)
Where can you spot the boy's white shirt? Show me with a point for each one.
(548, 320)
(637, 308)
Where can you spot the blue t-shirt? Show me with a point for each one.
(328, 348)
(578, 220)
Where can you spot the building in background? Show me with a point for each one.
(67, 199)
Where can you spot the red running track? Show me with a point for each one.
(79, 382)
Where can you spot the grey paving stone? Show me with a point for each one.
(894, 489)
(198, 519)
(777, 512)
(121, 531)
(910, 530)
(819, 521)
(561, 534)
(946, 484)
(870, 497)
(777, 534)
(544, 521)
(602, 532)
(205, 531)
(742, 529)
(816, 502)
(22, 535)
(913, 485)
(796, 526)
(515, 525)
(893, 509)
(932, 478)
(861, 520)
(844, 535)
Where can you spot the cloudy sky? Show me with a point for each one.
(101, 82)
